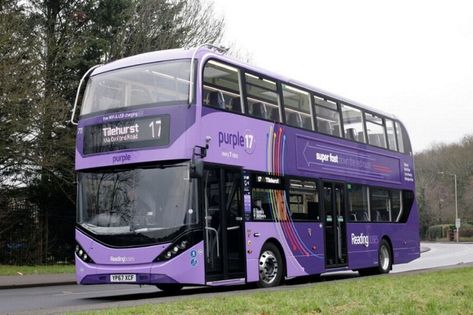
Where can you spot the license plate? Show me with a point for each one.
(123, 278)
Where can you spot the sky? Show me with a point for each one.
(413, 59)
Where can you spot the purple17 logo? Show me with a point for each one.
(249, 142)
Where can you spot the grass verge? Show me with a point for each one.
(441, 292)
(6, 270)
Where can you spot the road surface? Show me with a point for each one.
(60, 299)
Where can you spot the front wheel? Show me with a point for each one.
(271, 266)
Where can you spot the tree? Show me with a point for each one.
(18, 81)
(435, 191)
(46, 46)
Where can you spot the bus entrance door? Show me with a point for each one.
(335, 224)
(223, 230)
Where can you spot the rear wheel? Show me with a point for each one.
(170, 287)
(385, 260)
(270, 267)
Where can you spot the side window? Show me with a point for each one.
(358, 203)
(303, 200)
(400, 139)
(407, 201)
(380, 205)
(396, 209)
(328, 117)
(261, 200)
(375, 130)
(403, 139)
(353, 123)
(391, 135)
(297, 107)
(262, 97)
(221, 87)
(407, 141)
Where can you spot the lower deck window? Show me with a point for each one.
(358, 203)
(304, 200)
(379, 205)
(374, 204)
(262, 204)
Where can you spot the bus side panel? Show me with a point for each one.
(409, 249)
(364, 239)
(302, 245)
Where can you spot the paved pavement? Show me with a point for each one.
(13, 282)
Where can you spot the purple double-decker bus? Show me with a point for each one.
(196, 169)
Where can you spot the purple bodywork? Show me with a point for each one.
(256, 145)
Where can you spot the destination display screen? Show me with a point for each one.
(268, 181)
(127, 134)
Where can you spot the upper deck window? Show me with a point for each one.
(400, 138)
(328, 117)
(391, 135)
(375, 130)
(163, 83)
(263, 99)
(353, 123)
(297, 107)
(221, 87)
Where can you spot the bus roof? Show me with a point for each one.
(148, 57)
(205, 53)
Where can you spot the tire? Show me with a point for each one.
(270, 266)
(385, 259)
(170, 287)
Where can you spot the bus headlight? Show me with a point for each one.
(180, 245)
(83, 255)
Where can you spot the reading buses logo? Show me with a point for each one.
(360, 239)
(122, 259)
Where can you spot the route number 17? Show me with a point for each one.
(156, 128)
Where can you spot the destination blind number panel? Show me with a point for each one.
(127, 134)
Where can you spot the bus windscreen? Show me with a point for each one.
(144, 205)
(162, 83)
